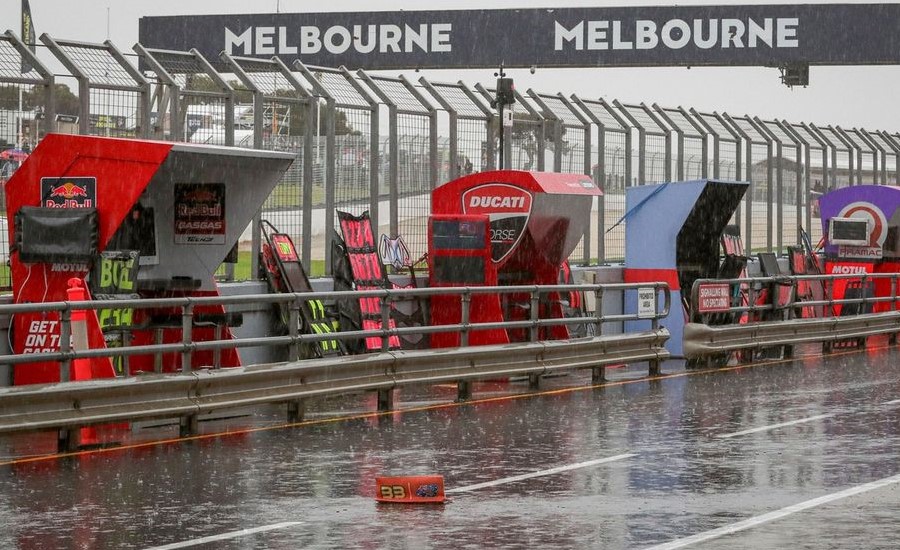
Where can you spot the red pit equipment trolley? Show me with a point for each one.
(504, 228)
(146, 219)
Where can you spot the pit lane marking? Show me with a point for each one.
(749, 523)
(226, 536)
(774, 426)
(541, 473)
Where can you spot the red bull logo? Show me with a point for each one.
(68, 192)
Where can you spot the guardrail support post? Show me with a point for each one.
(534, 315)
(534, 382)
(188, 425)
(385, 400)
(892, 337)
(465, 317)
(67, 440)
(598, 375)
(295, 411)
(65, 345)
(294, 329)
(385, 324)
(187, 324)
(463, 390)
(654, 367)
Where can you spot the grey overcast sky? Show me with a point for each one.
(864, 96)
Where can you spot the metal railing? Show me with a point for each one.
(783, 319)
(190, 393)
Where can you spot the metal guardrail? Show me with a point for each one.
(188, 394)
(704, 340)
(293, 340)
(75, 404)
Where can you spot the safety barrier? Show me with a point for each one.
(777, 323)
(186, 395)
(75, 404)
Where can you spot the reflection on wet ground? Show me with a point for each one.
(688, 453)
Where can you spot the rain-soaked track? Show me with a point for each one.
(800, 454)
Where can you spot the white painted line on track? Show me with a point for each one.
(777, 514)
(894, 402)
(774, 426)
(226, 536)
(551, 471)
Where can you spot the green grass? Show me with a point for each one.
(286, 196)
(242, 268)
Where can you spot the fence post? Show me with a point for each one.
(464, 387)
(598, 374)
(654, 324)
(385, 323)
(187, 324)
(534, 380)
(465, 317)
(294, 328)
(295, 411)
(892, 338)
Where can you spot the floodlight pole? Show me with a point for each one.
(501, 105)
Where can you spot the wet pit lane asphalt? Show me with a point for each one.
(802, 454)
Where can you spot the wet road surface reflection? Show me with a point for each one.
(633, 464)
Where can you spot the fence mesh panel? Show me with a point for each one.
(414, 182)
(614, 157)
(655, 161)
(888, 156)
(341, 89)
(759, 191)
(285, 131)
(472, 145)
(203, 120)
(114, 113)
(839, 165)
(693, 158)
(98, 64)
(525, 145)
(401, 96)
(866, 164)
(455, 95)
(352, 164)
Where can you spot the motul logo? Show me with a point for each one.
(848, 270)
(496, 198)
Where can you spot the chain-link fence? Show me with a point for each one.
(378, 143)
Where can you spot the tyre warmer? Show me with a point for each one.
(367, 273)
(285, 273)
(358, 266)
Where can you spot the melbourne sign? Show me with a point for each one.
(830, 34)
